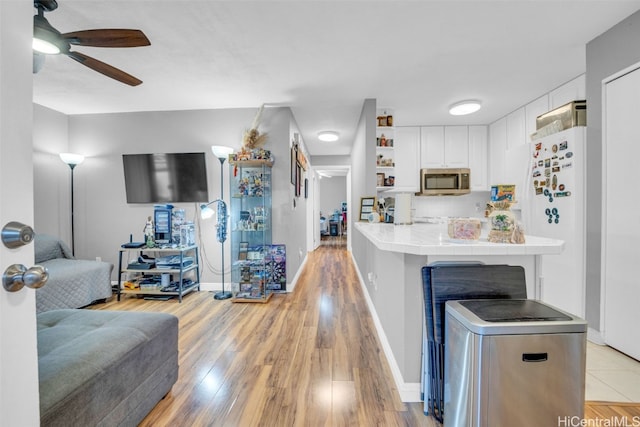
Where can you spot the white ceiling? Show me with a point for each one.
(323, 58)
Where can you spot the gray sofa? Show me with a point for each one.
(104, 368)
(73, 283)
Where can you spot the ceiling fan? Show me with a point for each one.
(48, 40)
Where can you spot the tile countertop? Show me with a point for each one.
(432, 239)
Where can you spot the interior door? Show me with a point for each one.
(621, 214)
(19, 396)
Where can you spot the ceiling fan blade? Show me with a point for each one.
(103, 68)
(107, 38)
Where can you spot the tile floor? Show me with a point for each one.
(611, 375)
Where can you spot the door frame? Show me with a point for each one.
(346, 170)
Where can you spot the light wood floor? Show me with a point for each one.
(614, 412)
(309, 358)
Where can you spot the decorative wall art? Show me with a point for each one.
(294, 163)
(367, 207)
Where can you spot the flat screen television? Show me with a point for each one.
(165, 177)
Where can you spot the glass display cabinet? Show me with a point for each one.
(250, 226)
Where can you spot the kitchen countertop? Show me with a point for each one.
(432, 239)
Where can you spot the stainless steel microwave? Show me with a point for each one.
(441, 182)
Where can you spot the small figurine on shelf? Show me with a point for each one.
(149, 233)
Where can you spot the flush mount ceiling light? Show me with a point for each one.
(328, 136)
(464, 107)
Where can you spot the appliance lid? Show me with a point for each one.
(513, 316)
(514, 310)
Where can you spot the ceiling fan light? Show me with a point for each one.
(328, 136)
(464, 107)
(44, 46)
(46, 39)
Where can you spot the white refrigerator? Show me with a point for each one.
(553, 206)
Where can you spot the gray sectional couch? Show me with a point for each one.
(73, 283)
(104, 368)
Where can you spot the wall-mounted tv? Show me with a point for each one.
(165, 177)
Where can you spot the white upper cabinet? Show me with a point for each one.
(456, 147)
(516, 128)
(407, 154)
(431, 146)
(498, 151)
(444, 147)
(478, 147)
(532, 111)
(570, 91)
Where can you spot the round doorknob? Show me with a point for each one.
(17, 276)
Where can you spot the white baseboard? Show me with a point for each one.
(595, 336)
(291, 286)
(212, 287)
(409, 392)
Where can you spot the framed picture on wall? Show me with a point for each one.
(367, 207)
(294, 164)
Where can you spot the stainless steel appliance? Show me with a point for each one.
(569, 115)
(512, 363)
(442, 182)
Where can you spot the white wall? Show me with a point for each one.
(51, 137)
(363, 173)
(466, 205)
(103, 219)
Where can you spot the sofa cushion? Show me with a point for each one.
(73, 283)
(95, 366)
(48, 247)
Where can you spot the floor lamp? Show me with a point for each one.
(222, 153)
(72, 160)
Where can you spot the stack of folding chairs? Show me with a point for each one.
(450, 282)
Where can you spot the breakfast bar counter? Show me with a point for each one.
(390, 258)
(432, 239)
